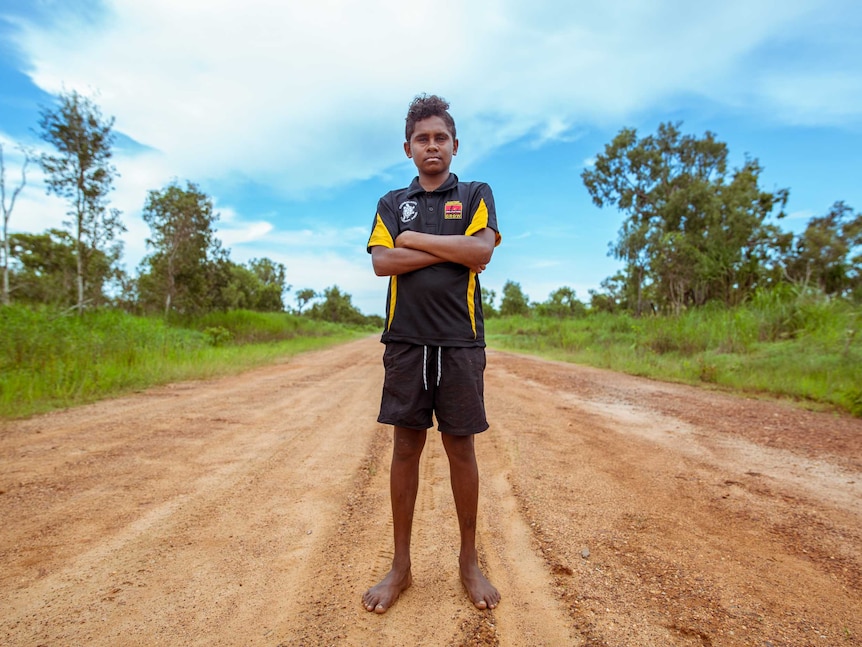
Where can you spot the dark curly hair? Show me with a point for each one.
(424, 106)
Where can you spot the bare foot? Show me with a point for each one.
(383, 595)
(482, 593)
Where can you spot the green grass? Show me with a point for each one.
(786, 344)
(799, 346)
(50, 361)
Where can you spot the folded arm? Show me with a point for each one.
(388, 261)
(414, 250)
(473, 251)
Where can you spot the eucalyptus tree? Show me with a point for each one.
(562, 303)
(336, 306)
(694, 230)
(45, 267)
(303, 297)
(6, 209)
(186, 261)
(828, 253)
(81, 172)
(514, 301)
(272, 278)
(260, 285)
(488, 298)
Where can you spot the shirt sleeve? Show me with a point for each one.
(384, 229)
(484, 213)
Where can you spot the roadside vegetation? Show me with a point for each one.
(49, 360)
(784, 343)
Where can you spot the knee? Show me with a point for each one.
(408, 447)
(459, 448)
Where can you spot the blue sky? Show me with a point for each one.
(290, 114)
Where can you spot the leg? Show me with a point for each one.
(464, 474)
(403, 486)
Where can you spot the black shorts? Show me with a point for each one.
(444, 380)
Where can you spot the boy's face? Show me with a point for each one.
(431, 146)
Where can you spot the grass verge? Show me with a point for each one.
(50, 361)
(798, 346)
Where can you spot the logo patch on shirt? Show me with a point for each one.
(453, 210)
(408, 210)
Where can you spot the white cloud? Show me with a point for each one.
(248, 232)
(815, 98)
(311, 94)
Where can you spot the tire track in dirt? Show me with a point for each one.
(243, 478)
(435, 611)
(254, 510)
(688, 543)
(251, 510)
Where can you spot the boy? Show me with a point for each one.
(432, 239)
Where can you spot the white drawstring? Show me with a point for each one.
(425, 365)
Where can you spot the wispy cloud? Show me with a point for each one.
(306, 95)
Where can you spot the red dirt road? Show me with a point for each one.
(253, 510)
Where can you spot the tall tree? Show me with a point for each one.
(7, 214)
(828, 254)
(562, 303)
(258, 286)
(694, 231)
(514, 300)
(337, 307)
(273, 284)
(45, 267)
(488, 298)
(303, 296)
(611, 297)
(81, 172)
(179, 272)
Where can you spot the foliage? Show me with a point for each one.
(258, 286)
(188, 273)
(611, 297)
(488, 298)
(303, 296)
(562, 303)
(81, 172)
(694, 231)
(514, 301)
(45, 269)
(337, 307)
(828, 254)
(50, 360)
(179, 272)
(253, 327)
(790, 342)
(268, 295)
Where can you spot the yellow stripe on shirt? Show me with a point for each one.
(480, 222)
(380, 235)
(393, 292)
(471, 300)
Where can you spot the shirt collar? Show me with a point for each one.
(415, 188)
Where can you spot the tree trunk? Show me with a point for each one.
(80, 274)
(5, 265)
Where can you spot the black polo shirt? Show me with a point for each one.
(439, 305)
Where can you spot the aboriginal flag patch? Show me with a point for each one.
(453, 210)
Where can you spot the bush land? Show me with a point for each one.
(49, 360)
(786, 343)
